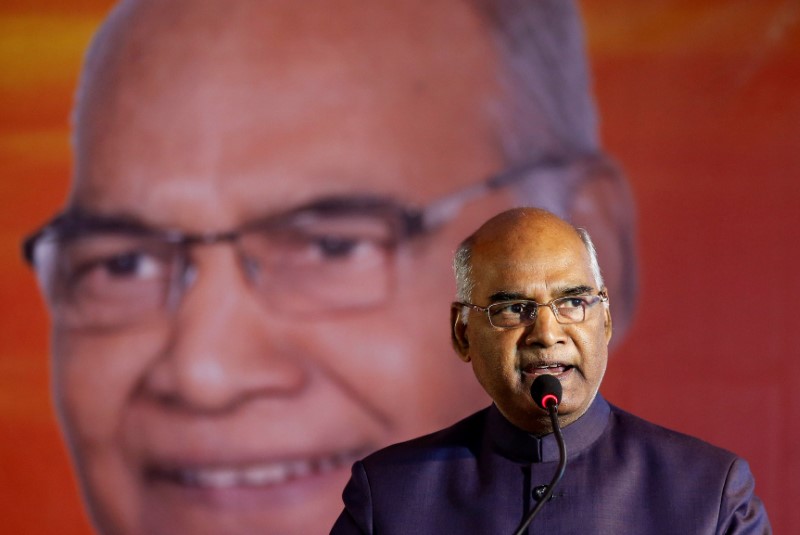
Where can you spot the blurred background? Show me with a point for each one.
(700, 101)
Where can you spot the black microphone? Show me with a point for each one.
(546, 391)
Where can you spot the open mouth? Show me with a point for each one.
(257, 474)
(556, 368)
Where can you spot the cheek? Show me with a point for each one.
(594, 351)
(398, 357)
(94, 378)
(494, 360)
(403, 364)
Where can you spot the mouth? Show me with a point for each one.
(557, 369)
(263, 474)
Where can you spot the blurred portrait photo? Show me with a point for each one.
(248, 281)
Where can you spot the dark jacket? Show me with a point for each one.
(624, 476)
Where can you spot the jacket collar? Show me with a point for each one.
(520, 446)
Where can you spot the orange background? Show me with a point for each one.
(701, 104)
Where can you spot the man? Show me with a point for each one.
(531, 301)
(245, 278)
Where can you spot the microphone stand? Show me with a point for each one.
(552, 410)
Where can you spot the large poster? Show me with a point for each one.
(699, 107)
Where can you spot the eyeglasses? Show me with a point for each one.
(523, 312)
(334, 254)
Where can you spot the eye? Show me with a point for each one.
(110, 279)
(341, 247)
(312, 240)
(335, 246)
(129, 264)
(571, 302)
(117, 268)
(112, 265)
(514, 309)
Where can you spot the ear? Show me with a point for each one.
(602, 203)
(458, 332)
(607, 324)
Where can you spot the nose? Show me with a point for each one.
(222, 348)
(545, 331)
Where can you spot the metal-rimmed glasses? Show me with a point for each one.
(335, 253)
(523, 312)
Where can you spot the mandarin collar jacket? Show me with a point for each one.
(482, 475)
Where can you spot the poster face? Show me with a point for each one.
(699, 109)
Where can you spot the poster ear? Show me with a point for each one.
(458, 332)
(602, 203)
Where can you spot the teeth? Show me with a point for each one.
(326, 465)
(217, 478)
(260, 475)
(265, 475)
(300, 468)
(556, 368)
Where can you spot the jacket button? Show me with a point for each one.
(538, 492)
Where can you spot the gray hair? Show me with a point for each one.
(462, 267)
(465, 282)
(546, 108)
(594, 265)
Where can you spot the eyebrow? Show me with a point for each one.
(88, 218)
(580, 289)
(576, 290)
(334, 205)
(506, 296)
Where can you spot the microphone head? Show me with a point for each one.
(546, 390)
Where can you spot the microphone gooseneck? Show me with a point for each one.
(546, 392)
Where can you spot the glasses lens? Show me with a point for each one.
(571, 309)
(512, 314)
(104, 279)
(322, 263)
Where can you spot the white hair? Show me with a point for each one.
(546, 111)
(545, 108)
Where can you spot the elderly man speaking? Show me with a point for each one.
(531, 302)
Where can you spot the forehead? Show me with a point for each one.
(536, 261)
(266, 104)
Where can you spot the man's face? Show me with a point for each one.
(231, 417)
(538, 258)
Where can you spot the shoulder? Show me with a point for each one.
(682, 465)
(668, 452)
(411, 473)
(637, 432)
